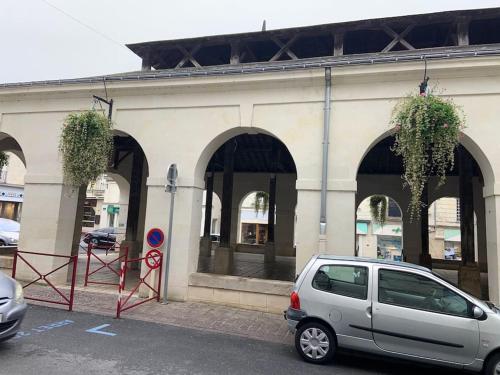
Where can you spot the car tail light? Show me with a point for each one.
(295, 301)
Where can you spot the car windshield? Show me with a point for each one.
(7, 225)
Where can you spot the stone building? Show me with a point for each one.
(301, 113)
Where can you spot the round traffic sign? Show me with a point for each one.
(155, 237)
(153, 259)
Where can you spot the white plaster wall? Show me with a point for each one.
(184, 121)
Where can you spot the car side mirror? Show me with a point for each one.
(478, 313)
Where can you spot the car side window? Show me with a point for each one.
(419, 292)
(349, 281)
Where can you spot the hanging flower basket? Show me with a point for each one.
(427, 131)
(86, 146)
(378, 208)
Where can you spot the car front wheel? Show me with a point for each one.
(315, 343)
(493, 365)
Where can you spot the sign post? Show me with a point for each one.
(171, 188)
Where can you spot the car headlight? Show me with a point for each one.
(19, 295)
(13, 239)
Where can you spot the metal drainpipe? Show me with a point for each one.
(326, 135)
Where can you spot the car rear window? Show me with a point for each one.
(344, 280)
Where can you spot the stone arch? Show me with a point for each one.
(216, 142)
(466, 141)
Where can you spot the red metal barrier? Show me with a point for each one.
(122, 301)
(104, 264)
(67, 300)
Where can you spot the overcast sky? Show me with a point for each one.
(38, 41)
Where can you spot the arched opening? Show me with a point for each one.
(11, 195)
(215, 222)
(111, 212)
(251, 243)
(253, 219)
(380, 173)
(379, 228)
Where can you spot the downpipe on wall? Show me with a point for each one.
(324, 172)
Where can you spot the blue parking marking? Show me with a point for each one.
(43, 328)
(98, 330)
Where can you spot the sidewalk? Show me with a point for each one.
(203, 316)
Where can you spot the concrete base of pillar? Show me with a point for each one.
(469, 279)
(269, 252)
(205, 246)
(425, 260)
(223, 260)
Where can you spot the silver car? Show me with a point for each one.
(394, 309)
(12, 307)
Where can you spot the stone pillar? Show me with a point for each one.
(284, 227)
(132, 240)
(77, 233)
(479, 208)
(425, 258)
(307, 225)
(341, 229)
(469, 277)
(492, 205)
(185, 230)
(206, 240)
(48, 225)
(224, 253)
(411, 239)
(270, 250)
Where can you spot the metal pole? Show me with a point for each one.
(326, 135)
(170, 187)
(166, 259)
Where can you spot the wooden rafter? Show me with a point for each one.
(397, 38)
(284, 48)
(188, 56)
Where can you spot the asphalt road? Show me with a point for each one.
(57, 342)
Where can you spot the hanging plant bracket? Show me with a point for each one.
(109, 104)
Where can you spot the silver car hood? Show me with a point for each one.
(7, 286)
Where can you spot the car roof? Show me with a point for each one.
(374, 261)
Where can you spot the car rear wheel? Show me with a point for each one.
(493, 365)
(315, 343)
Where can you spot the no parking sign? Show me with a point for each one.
(155, 238)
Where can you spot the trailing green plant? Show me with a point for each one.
(378, 208)
(4, 160)
(86, 145)
(261, 202)
(427, 131)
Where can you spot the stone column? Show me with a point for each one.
(411, 239)
(224, 253)
(206, 240)
(492, 205)
(307, 225)
(425, 258)
(185, 231)
(479, 209)
(468, 274)
(47, 226)
(270, 250)
(341, 229)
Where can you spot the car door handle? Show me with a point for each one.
(369, 311)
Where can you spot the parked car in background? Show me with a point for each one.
(9, 232)
(101, 238)
(393, 309)
(12, 307)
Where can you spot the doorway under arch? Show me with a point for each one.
(251, 163)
